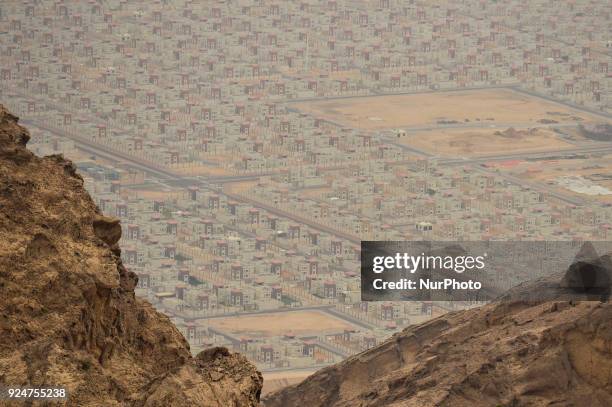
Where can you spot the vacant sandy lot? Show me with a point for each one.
(274, 381)
(595, 171)
(479, 107)
(276, 324)
(483, 142)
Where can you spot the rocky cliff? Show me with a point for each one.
(68, 313)
(517, 352)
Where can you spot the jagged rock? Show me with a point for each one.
(68, 313)
(503, 354)
(212, 354)
(107, 229)
(40, 247)
(589, 274)
(516, 352)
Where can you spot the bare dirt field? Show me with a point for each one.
(477, 107)
(277, 380)
(277, 324)
(587, 178)
(483, 142)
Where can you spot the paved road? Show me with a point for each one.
(410, 92)
(175, 179)
(323, 308)
(299, 219)
(106, 152)
(178, 180)
(578, 149)
(590, 149)
(537, 187)
(604, 115)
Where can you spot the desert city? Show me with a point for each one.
(249, 146)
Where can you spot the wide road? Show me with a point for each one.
(537, 187)
(174, 179)
(296, 218)
(550, 154)
(401, 93)
(323, 308)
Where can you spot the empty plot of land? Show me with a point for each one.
(585, 177)
(484, 142)
(475, 107)
(277, 324)
(274, 381)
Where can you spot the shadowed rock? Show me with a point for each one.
(589, 274)
(39, 247)
(107, 229)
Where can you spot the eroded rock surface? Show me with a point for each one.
(68, 313)
(513, 353)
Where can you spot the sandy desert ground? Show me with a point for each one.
(483, 142)
(593, 171)
(491, 106)
(277, 380)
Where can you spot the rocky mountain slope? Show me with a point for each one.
(68, 314)
(517, 352)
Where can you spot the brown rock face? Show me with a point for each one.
(68, 313)
(107, 229)
(507, 354)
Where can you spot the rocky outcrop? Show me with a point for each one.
(515, 352)
(507, 354)
(68, 313)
